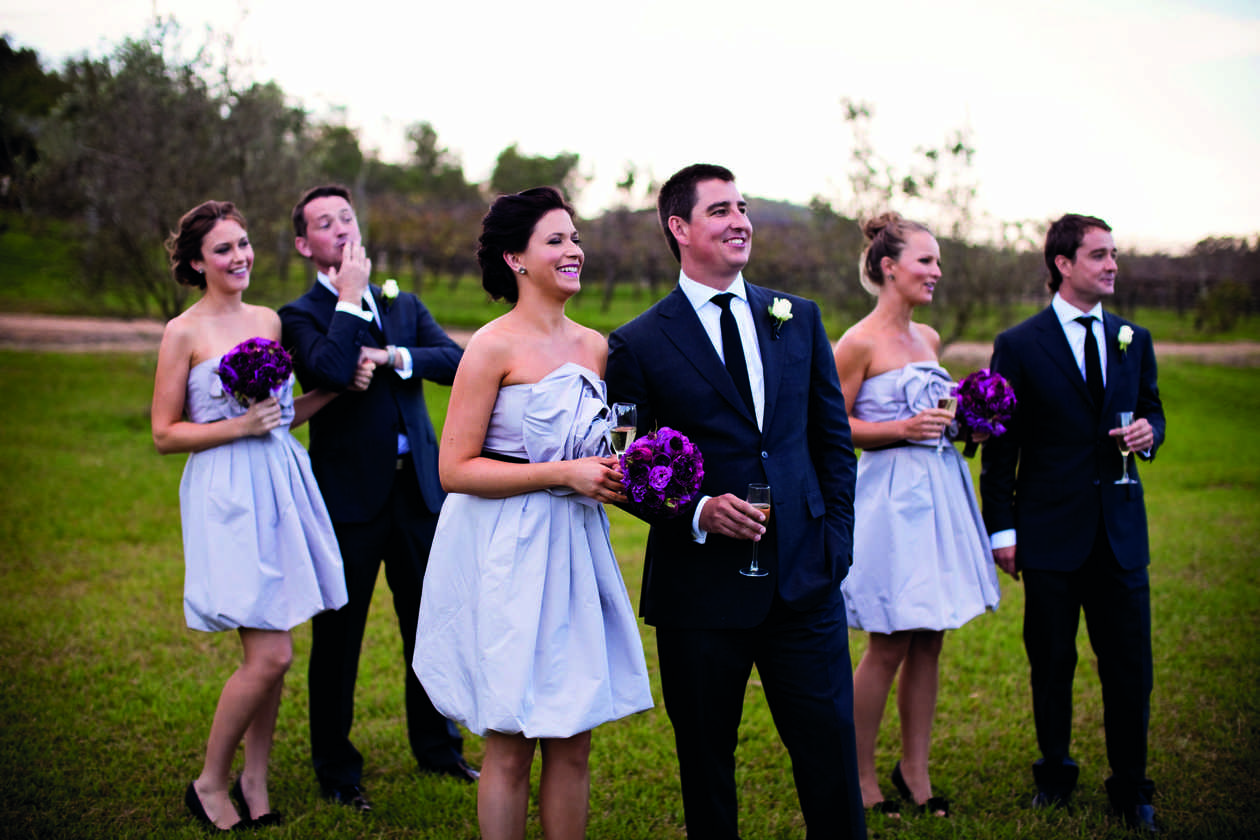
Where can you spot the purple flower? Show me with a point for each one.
(254, 369)
(986, 402)
(662, 471)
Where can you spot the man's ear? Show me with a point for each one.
(303, 248)
(1064, 264)
(681, 229)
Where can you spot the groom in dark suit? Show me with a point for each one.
(758, 394)
(1057, 516)
(374, 454)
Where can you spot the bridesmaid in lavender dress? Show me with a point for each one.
(259, 550)
(921, 558)
(526, 632)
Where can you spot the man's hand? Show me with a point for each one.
(363, 375)
(351, 278)
(1005, 560)
(732, 517)
(1138, 435)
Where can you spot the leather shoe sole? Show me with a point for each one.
(460, 771)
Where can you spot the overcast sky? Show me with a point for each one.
(1141, 111)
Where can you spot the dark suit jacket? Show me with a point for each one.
(664, 362)
(354, 439)
(1051, 475)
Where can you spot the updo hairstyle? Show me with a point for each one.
(184, 245)
(886, 236)
(506, 229)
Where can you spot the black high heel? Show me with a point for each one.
(936, 805)
(269, 818)
(193, 801)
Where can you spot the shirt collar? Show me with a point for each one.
(699, 294)
(1067, 312)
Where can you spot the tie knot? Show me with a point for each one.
(723, 300)
(1086, 321)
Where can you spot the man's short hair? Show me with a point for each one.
(678, 195)
(299, 209)
(1064, 238)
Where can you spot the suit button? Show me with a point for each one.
(764, 454)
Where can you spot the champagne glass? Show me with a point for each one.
(950, 404)
(1124, 418)
(759, 497)
(625, 424)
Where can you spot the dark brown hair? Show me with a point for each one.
(678, 196)
(184, 245)
(1064, 238)
(506, 229)
(299, 209)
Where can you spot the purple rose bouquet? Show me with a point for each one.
(254, 369)
(986, 403)
(662, 472)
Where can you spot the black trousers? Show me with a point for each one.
(803, 661)
(1117, 607)
(400, 536)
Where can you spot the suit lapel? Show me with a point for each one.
(683, 329)
(1055, 343)
(771, 350)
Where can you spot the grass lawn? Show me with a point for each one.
(107, 696)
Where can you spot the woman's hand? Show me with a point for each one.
(262, 417)
(597, 478)
(927, 424)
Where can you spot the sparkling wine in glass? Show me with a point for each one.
(950, 404)
(625, 424)
(759, 497)
(1124, 418)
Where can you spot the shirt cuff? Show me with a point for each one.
(403, 366)
(1002, 539)
(351, 309)
(696, 533)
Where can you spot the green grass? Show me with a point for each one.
(107, 695)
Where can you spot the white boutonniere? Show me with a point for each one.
(781, 312)
(1124, 338)
(389, 291)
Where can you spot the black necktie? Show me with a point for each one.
(1093, 367)
(374, 327)
(733, 351)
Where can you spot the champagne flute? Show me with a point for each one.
(1124, 418)
(950, 404)
(759, 497)
(625, 423)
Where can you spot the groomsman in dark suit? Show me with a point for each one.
(755, 388)
(374, 454)
(1057, 516)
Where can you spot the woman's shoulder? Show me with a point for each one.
(929, 335)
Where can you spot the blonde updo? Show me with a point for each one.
(886, 236)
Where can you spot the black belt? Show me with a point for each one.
(507, 459)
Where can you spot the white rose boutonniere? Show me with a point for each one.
(389, 291)
(1124, 338)
(781, 312)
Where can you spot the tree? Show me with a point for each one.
(133, 144)
(27, 95)
(514, 172)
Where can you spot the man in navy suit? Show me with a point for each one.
(759, 396)
(374, 454)
(1056, 515)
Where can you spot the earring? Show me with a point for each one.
(201, 271)
(520, 269)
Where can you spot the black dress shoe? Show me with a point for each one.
(1140, 818)
(1049, 799)
(459, 770)
(352, 796)
(193, 801)
(937, 805)
(269, 818)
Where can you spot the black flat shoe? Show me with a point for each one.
(193, 801)
(936, 805)
(269, 818)
(890, 808)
